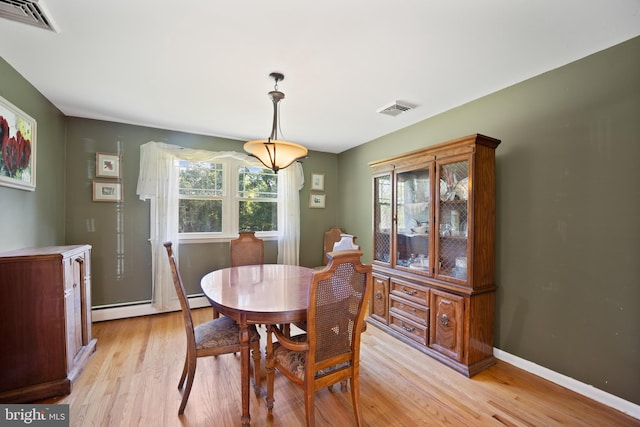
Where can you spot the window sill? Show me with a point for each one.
(202, 238)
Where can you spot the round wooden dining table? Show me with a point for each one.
(258, 294)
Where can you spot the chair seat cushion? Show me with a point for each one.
(221, 332)
(294, 361)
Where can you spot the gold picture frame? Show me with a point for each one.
(317, 181)
(317, 201)
(107, 191)
(108, 165)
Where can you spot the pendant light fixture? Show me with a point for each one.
(272, 152)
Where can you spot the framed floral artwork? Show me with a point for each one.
(107, 191)
(17, 147)
(107, 165)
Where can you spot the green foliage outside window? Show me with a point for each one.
(203, 193)
(258, 193)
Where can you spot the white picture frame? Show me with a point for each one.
(18, 134)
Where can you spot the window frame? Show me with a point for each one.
(230, 206)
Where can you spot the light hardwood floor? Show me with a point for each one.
(132, 379)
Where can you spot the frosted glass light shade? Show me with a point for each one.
(275, 154)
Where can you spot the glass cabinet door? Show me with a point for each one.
(453, 220)
(383, 218)
(413, 220)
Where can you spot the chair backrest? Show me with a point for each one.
(331, 237)
(182, 296)
(247, 249)
(337, 300)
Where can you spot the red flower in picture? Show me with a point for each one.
(16, 151)
(4, 131)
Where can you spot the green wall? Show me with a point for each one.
(568, 210)
(35, 218)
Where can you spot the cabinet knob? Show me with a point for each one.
(378, 295)
(444, 320)
(409, 291)
(406, 328)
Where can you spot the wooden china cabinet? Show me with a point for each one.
(45, 321)
(433, 257)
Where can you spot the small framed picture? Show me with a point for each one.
(317, 181)
(107, 191)
(316, 201)
(107, 165)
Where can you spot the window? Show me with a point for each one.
(219, 199)
(257, 197)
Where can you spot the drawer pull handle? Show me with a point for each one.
(444, 320)
(378, 295)
(409, 291)
(406, 328)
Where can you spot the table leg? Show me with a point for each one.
(245, 370)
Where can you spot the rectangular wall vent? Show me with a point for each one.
(396, 108)
(26, 12)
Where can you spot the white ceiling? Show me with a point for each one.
(202, 66)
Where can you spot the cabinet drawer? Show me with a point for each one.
(408, 327)
(411, 310)
(409, 291)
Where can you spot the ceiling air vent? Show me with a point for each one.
(26, 12)
(396, 108)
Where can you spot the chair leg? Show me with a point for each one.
(256, 368)
(187, 389)
(270, 368)
(184, 372)
(215, 314)
(355, 398)
(309, 404)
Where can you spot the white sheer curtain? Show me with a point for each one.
(290, 182)
(158, 182)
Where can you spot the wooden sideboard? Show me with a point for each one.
(45, 321)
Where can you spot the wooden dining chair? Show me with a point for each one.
(247, 249)
(331, 237)
(330, 350)
(334, 240)
(211, 338)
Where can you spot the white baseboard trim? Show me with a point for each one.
(145, 309)
(586, 390)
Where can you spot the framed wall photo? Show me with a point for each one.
(18, 147)
(107, 191)
(317, 181)
(107, 165)
(316, 201)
